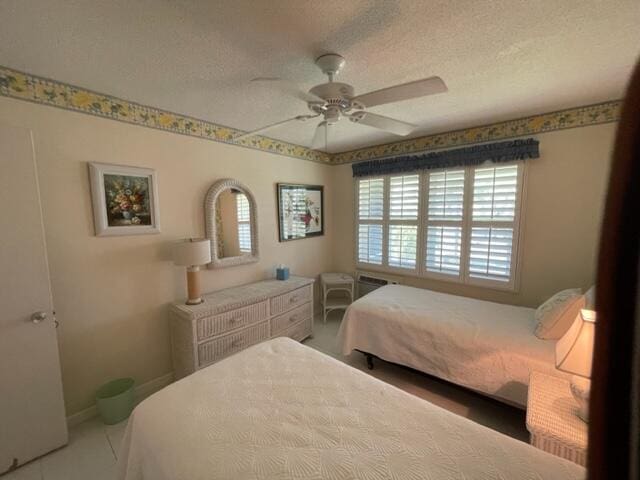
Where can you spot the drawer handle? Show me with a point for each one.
(293, 299)
(293, 318)
(236, 343)
(235, 319)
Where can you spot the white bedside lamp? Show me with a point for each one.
(191, 253)
(574, 354)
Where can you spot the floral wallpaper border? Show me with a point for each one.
(606, 112)
(23, 86)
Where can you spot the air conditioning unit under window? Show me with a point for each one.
(367, 282)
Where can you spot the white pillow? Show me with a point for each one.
(556, 315)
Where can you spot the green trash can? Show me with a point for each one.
(115, 400)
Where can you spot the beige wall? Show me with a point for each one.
(111, 293)
(565, 190)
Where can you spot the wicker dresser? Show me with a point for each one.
(552, 420)
(233, 319)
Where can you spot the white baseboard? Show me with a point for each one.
(140, 393)
(152, 386)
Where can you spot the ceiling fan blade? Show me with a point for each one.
(320, 137)
(387, 124)
(300, 118)
(406, 91)
(289, 88)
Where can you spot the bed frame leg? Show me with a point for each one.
(369, 361)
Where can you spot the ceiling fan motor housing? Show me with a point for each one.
(333, 92)
(337, 100)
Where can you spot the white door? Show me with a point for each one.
(32, 418)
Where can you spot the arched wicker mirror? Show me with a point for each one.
(231, 222)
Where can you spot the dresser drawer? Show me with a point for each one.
(287, 301)
(286, 320)
(224, 322)
(299, 331)
(214, 350)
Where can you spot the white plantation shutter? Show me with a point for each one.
(244, 224)
(459, 224)
(490, 253)
(402, 246)
(494, 193)
(242, 207)
(402, 240)
(446, 195)
(371, 199)
(370, 244)
(493, 223)
(403, 197)
(444, 250)
(244, 237)
(370, 217)
(445, 211)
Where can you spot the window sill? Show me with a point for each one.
(476, 283)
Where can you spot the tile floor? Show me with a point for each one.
(90, 455)
(93, 447)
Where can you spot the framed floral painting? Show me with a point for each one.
(300, 211)
(125, 200)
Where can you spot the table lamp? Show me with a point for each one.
(191, 253)
(574, 354)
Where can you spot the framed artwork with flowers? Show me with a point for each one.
(125, 200)
(300, 211)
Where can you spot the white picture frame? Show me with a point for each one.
(125, 200)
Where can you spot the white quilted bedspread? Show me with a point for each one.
(280, 410)
(489, 347)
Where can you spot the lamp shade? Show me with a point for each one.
(192, 252)
(574, 351)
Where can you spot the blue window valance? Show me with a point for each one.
(459, 157)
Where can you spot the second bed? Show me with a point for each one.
(485, 346)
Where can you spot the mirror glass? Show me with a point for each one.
(233, 222)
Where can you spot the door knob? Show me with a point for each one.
(38, 317)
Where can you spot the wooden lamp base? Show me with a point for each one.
(193, 286)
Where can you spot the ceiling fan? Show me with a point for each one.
(335, 100)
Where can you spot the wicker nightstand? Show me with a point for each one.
(336, 282)
(552, 421)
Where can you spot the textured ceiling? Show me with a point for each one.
(501, 59)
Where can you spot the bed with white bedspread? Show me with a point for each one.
(488, 347)
(280, 410)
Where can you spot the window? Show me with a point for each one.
(445, 211)
(493, 223)
(370, 217)
(459, 224)
(403, 221)
(244, 223)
